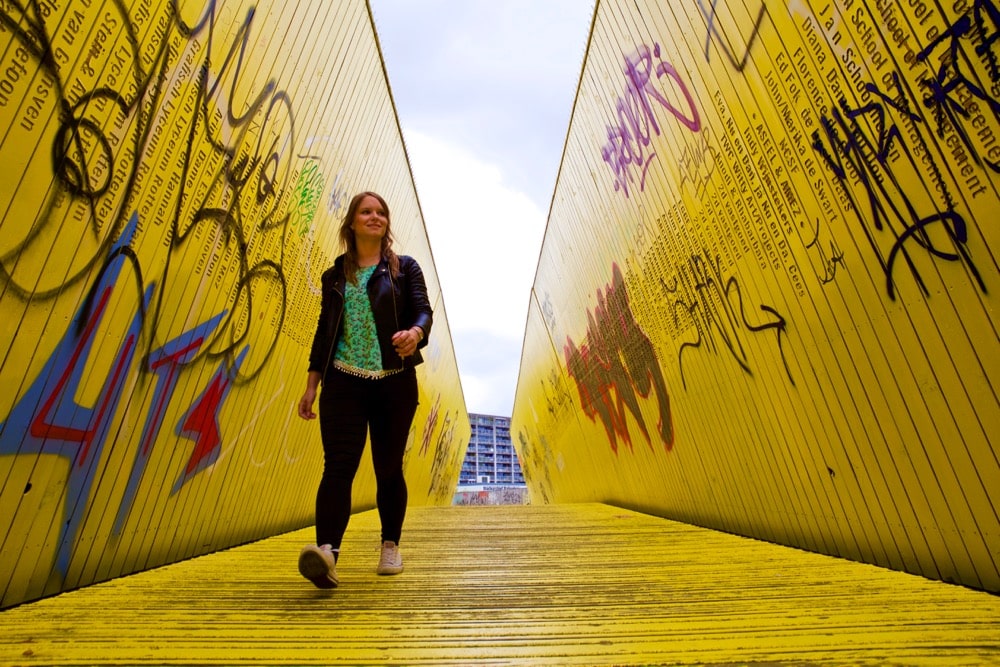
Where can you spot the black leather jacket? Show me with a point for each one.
(398, 303)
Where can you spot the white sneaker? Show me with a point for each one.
(391, 561)
(318, 565)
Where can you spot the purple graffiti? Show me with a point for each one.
(629, 137)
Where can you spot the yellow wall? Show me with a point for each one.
(172, 182)
(766, 298)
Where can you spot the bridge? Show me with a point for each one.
(757, 403)
(559, 584)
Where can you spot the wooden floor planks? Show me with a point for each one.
(515, 585)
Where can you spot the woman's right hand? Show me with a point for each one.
(306, 404)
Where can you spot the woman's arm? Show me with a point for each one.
(418, 310)
(420, 305)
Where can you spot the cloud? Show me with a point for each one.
(497, 78)
(484, 91)
(485, 238)
(489, 371)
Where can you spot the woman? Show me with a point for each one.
(373, 319)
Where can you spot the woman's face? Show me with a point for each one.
(371, 220)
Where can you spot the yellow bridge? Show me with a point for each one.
(583, 584)
(759, 393)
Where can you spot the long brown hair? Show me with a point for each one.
(350, 244)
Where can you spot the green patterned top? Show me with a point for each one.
(358, 347)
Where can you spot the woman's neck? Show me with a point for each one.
(369, 254)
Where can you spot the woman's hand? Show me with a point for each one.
(406, 341)
(306, 404)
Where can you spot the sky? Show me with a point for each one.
(484, 90)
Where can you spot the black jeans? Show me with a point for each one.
(349, 408)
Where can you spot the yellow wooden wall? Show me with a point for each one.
(766, 300)
(173, 178)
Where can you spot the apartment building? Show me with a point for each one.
(490, 459)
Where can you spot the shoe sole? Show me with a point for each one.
(315, 568)
(389, 569)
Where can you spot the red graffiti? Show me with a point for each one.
(615, 366)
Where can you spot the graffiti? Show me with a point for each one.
(713, 305)
(862, 153)
(446, 452)
(201, 422)
(697, 163)
(872, 148)
(828, 262)
(228, 164)
(500, 495)
(631, 134)
(337, 199)
(446, 456)
(723, 43)
(307, 195)
(429, 424)
(166, 364)
(548, 312)
(557, 395)
(537, 464)
(953, 96)
(48, 419)
(617, 358)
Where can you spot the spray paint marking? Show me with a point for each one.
(617, 358)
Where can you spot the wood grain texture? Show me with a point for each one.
(581, 584)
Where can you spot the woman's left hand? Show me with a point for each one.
(406, 341)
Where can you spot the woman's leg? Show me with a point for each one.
(343, 427)
(390, 427)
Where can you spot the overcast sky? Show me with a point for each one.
(484, 91)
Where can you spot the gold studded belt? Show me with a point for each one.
(364, 372)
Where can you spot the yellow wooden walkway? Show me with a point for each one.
(529, 585)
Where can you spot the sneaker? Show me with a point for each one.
(391, 561)
(318, 565)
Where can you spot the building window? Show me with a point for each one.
(490, 457)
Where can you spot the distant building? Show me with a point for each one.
(490, 459)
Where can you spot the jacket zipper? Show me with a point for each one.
(395, 313)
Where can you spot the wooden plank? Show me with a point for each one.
(537, 584)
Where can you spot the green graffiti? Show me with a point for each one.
(308, 190)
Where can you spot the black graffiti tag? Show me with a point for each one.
(229, 162)
(713, 304)
(856, 144)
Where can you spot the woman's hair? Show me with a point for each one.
(350, 245)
